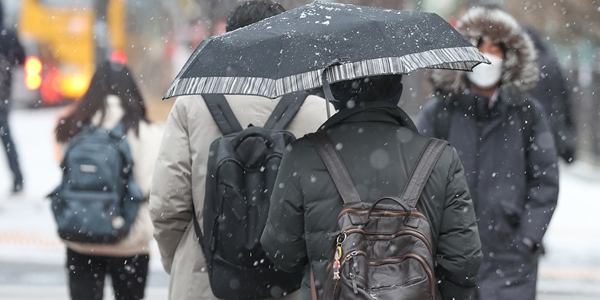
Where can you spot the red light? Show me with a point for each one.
(50, 89)
(119, 57)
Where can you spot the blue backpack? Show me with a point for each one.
(98, 199)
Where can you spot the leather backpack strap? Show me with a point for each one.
(286, 109)
(222, 113)
(422, 170)
(335, 166)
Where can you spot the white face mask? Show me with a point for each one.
(486, 76)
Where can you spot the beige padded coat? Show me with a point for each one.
(179, 179)
(144, 149)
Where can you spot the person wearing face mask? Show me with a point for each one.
(506, 145)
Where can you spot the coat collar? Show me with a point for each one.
(376, 111)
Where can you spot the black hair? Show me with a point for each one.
(501, 45)
(374, 88)
(252, 11)
(110, 78)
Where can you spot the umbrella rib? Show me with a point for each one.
(280, 59)
(387, 38)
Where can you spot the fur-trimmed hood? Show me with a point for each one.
(520, 71)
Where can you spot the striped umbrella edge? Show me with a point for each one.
(458, 58)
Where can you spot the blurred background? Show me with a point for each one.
(64, 39)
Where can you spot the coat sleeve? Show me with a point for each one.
(459, 248)
(542, 178)
(171, 192)
(17, 53)
(425, 119)
(283, 237)
(553, 93)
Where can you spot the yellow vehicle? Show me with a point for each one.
(65, 39)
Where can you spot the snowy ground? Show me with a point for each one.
(31, 256)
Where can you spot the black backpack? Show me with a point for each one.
(98, 199)
(381, 251)
(241, 171)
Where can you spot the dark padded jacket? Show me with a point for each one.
(379, 145)
(514, 191)
(553, 93)
(514, 185)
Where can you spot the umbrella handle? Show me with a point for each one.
(252, 132)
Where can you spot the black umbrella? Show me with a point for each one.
(289, 52)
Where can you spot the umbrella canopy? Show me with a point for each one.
(290, 51)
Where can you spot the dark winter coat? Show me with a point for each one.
(553, 92)
(514, 190)
(11, 54)
(379, 146)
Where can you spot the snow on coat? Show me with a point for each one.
(514, 187)
(180, 175)
(379, 147)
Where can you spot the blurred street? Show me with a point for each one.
(32, 257)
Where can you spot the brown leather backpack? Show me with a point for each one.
(382, 251)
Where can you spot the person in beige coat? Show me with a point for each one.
(180, 173)
(105, 105)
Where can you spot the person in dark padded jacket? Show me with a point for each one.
(507, 148)
(379, 145)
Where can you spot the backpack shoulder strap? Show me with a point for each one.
(222, 113)
(441, 123)
(197, 229)
(335, 166)
(133, 189)
(118, 132)
(286, 110)
(422, 170)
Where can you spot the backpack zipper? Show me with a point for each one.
(226, 160)
(398, 233)
(352, 255)
(385, 213)
(353, 271)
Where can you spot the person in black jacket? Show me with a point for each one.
(553, 93)
(507, 148)
(379, 145)
(11, 54)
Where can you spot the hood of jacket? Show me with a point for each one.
(520, 71)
